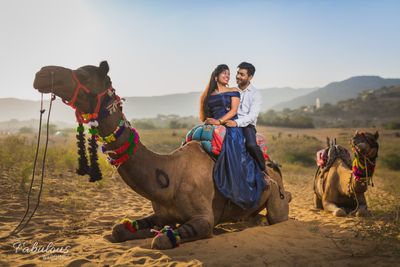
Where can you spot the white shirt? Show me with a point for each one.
(249, 107)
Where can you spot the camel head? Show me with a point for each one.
(89, 81)
(366, 143)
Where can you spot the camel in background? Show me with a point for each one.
(340, 184)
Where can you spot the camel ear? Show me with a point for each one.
(104, 68)
(376, 135)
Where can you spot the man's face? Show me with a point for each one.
(242, 77)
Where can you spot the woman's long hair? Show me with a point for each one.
(211, 86)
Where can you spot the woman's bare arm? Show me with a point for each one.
(234, 108)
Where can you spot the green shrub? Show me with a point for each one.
(392, 125)
(391, 161)
(300, 157)
(299, 151)
(25, 130)
(287, 118)
(144, 124)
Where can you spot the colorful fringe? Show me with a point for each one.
(114, 135)
(131, 225)
(172, 235)
(124, 151)
(360, 170)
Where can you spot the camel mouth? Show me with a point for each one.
(47, 79)
(43, 82)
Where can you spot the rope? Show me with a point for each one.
(355, 196)
(15, 231)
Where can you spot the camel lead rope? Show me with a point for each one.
(16, 230)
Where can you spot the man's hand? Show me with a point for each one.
(211, 121)
(230, 123)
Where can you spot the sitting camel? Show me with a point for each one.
(179, 185)
(340, 183)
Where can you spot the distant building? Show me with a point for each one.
(317, 103)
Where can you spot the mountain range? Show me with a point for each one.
(187, 104)
(137, 107)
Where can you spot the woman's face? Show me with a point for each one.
(223, 77)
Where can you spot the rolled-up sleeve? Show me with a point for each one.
(255, 108)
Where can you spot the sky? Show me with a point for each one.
(159, 47)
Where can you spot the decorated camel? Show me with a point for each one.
(340, 183)
(179, 185)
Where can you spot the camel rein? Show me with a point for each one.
(357, 164)
(23, 223)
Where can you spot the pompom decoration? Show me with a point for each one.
(172, 235)
(131, 225)
(83, 167)
(94, 172)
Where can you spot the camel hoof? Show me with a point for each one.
(161, 242)
(362, 212)
(339, 213)
(121, 234)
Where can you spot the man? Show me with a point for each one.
(250, 106)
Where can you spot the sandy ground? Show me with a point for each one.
(77, 217)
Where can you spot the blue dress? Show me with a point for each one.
(236, 174)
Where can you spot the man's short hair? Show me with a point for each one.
(249, 67)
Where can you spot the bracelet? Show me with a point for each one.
(221, 122)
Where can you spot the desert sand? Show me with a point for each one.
(82, 221)
(76, 216)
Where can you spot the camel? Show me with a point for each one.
(340, 185)
(179, 185)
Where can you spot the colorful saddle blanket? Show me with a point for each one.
(212, 137)
(325, 157)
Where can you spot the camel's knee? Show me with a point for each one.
(196, 229)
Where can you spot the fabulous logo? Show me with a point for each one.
(49, 251)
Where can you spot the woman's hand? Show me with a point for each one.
(211, 121)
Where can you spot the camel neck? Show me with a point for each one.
(143, 171)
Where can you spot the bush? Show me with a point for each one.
(299, 151)
(286, 118)
(25, 130)
(175, 124)
(391, 161)
(392, 125)
(144, 124)
(300, 157)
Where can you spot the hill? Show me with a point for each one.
(337, 91)
(371, 108)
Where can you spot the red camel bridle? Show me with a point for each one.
(86, 117)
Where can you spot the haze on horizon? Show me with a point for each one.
(165, 47)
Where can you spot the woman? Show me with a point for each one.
(236, 174)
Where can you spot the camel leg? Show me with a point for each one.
(362, 208)
(329, 206)
(194, 229)
(318, 202)
(277, 208)
(120, 233)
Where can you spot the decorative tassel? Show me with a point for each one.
(94, 172)
(83, 167)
